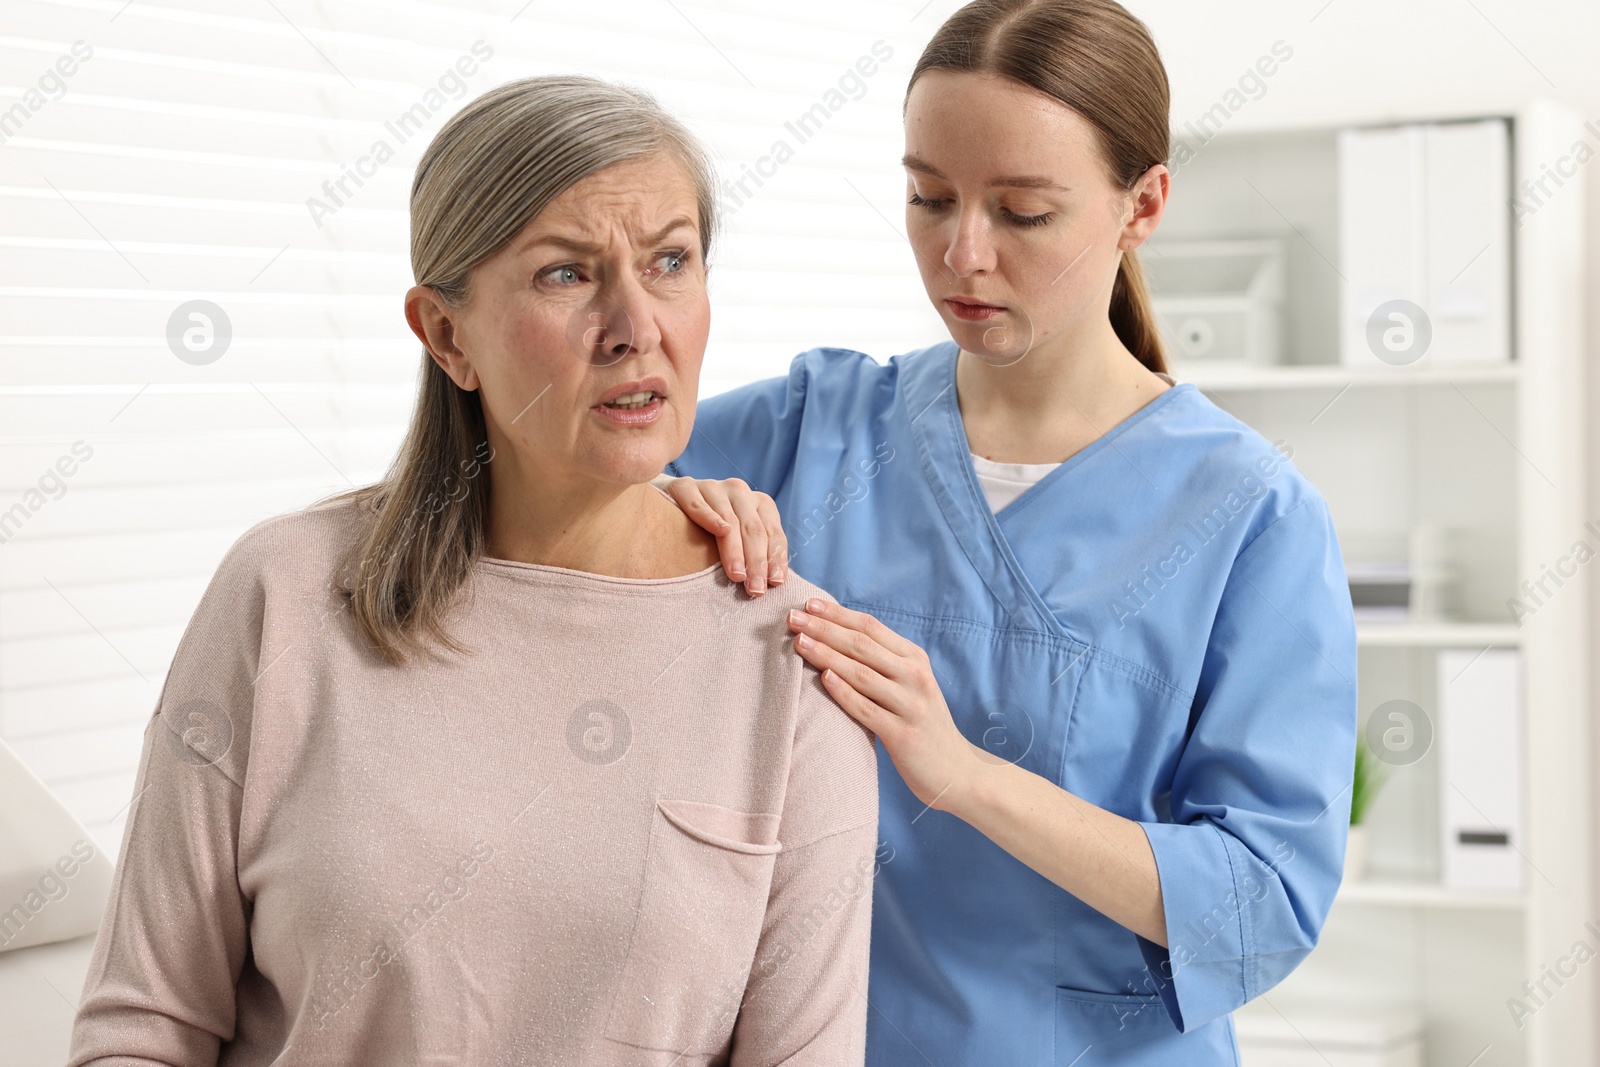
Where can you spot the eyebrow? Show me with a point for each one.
(571, 244)
(1016, 181)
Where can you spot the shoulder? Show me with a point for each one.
(298, 552)
(810, 372)
(827, 362)
(763, 623)
(833, 778)
(268, 595)
(813, 701)
(828, 379)
(844, 375)
(773, 424)
(769, 613)
(774, 605)
(765, 618)
(1226, 465)
(841, 387)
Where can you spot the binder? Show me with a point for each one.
(1425, 217)
(1479, 739)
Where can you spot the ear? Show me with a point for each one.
(1147, 202)
(434, 323)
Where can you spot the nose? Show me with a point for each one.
(618, 323)
(970, 249)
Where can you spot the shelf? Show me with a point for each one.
(1509, 467)
(1437, 635)
(1398, 893)
(1336, 376)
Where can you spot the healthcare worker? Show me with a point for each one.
(1099, 627)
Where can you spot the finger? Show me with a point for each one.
(752, 531)
(777, 542)
(853, 645)
(864, 711)
(861, 622)
(685, 492)
(862, 678)
(730, 540)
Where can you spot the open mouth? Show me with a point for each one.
(631, 401)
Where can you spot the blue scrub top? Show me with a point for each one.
(1161, 626)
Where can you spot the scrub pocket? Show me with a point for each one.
(1125, 1029)
(707, 875)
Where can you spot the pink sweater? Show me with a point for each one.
(630, 828)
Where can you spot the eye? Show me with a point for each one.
(931, 204)
(564, 275)
(675, 261)
(1026, 220)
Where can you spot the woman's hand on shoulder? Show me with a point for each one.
(748, 529)
(885, 682)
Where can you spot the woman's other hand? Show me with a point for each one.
(746, 524)
(886, 683)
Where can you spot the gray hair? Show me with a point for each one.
(492, 168)
(501, 160)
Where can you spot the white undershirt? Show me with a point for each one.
(1004, 482)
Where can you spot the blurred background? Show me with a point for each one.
(1376, 252)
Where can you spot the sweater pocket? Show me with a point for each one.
(707, 874)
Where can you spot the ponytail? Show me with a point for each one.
(1133, 317)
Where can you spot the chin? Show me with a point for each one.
(635, 465)
(1001, 345)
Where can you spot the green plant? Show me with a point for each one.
(1368, 780)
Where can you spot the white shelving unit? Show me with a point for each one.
(1497, 452)
(1223, 378)
(1401, 893)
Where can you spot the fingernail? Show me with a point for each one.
(797, 617)
(778, 576)
(814, 606)
(806, 642)
(736, 571)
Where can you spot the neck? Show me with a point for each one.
(624, 531)
(1066, 392)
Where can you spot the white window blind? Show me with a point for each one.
(255, 155)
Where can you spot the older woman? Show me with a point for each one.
(490, 762)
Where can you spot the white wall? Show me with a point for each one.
(178, 165)
(1368, 60)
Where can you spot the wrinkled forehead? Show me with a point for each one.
(635, 199)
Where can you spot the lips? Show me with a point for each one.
(635, 392)
(972, 310)
(632, 404)
(631, 401)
